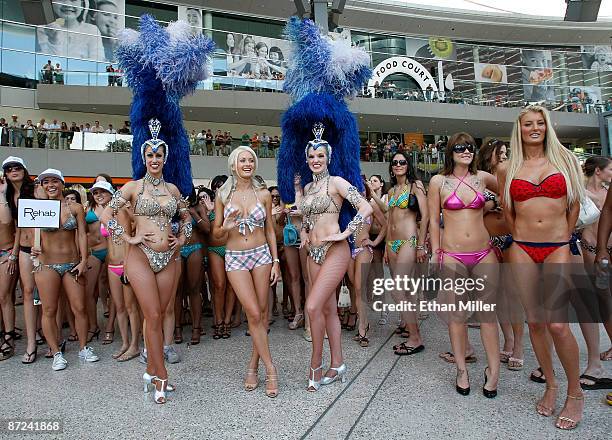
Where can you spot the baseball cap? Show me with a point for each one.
(51, 172)
(103, 185)
(13, 160)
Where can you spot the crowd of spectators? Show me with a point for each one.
(54, 134)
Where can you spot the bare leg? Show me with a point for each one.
(94, 265)
(49, 291)
(116, 289)
(29, 310)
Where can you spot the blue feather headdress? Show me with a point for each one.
(321, 74)
(162, 65)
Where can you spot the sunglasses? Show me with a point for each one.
(399, 163)
(10, 169)
(275, 197)
(460, 148)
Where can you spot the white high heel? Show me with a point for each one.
(340, 374)
(148, 382)
(314, 385)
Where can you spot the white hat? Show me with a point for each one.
(13, 160)
(51, 172)
(103, 185)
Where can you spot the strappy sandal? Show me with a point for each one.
(94, 334)
(195, 335)
(547, 411)
(270, 379)
(363, 340)
(504, 356)
(178, 334)
(450, 358)
(73, 338)
(7, 347)
(606, 355)
(40, 339)
(250, 386)
(298, 321)
(108, 338)
(574, 423)
(227, 331)
(407, 350)
(218, 331)
(515, 364)
(537, 379)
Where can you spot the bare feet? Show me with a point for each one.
(251, 380)
(546, 405)
(120, 352)
(571, 414)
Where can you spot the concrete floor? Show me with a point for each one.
(386, 396)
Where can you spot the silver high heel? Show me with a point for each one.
(314, 385)
(148, 382)
(340, 374)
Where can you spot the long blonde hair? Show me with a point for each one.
(229, 186)
(559, 156)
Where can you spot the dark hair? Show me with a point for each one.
(73, 192)
(26, 192)
(278, 51)
(108, 178)
(217, 182)
(410, 176)
(595, 162)
(192, 199)
(272, 188)
(485, 154)
(208, 191)
(368, 193)
(457, 139)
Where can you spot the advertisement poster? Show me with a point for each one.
(250, 60)
(193, 16)
(537, 75)
(86, 30)
(490, 73)
(437, 48)
(597, 58)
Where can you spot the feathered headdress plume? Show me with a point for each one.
(162, 65)
(321, 74)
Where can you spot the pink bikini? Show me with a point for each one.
(454, 203)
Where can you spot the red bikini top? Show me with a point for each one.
(552, 187)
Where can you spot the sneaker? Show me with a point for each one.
(143, 357)
(88, 355)
(59, 361)
(171, 355)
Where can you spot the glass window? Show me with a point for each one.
(15, 36)
(247, 25)
(135, 8)
(11, 10)
(19, 64)
(361, 40)
(83, 73)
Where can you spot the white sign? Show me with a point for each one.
(32, 213)
(404, 65)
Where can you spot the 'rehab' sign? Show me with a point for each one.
(32, 213)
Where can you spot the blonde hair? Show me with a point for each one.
(559, 156)
(229, 186)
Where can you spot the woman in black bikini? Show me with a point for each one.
(21, 186)
(62, 265)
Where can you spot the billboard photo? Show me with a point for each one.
(537, 75)
(490, 73)
(437, 48)
(193, 16)
(597, 58)
(84, 29)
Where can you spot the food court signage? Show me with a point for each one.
(404, 65)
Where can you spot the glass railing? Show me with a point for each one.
(575, 102)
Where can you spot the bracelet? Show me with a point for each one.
(356, 224)
(12, 257)
(276, 260)
(420, 248)
(199, 221)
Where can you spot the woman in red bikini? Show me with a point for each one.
(542, 217)
(464, 251)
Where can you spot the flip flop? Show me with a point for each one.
(504, 356)
(127, 356)
(538, 379)
(599, 383)
(450, 358)
(406, 350)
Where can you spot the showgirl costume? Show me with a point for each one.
(321, 74)
(161, 65)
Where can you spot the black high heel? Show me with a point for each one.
(489, 394)
(352, 327)
(462, 391)
(94, 334)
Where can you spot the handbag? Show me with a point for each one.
(344, 299)
(290, 234)
(589, 213)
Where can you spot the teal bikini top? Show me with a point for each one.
(91, 217)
